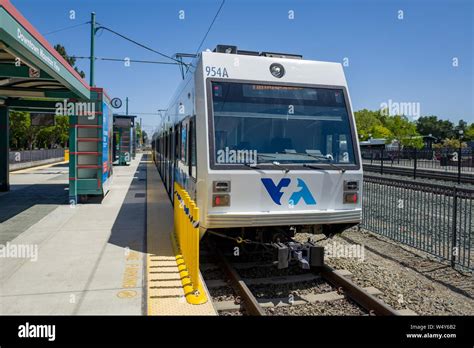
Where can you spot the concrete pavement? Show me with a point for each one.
(90, 258)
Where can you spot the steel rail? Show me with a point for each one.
(356, 293)
(250, 303)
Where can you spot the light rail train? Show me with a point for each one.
(266, 145)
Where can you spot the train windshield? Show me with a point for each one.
(257, 123)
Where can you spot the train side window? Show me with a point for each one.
(184, 135)
(192, 147)
(172, 148)
(176, 141)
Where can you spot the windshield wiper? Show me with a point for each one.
(275, 163)
(323, 158)
(252, 165)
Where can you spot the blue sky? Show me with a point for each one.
(408, 60)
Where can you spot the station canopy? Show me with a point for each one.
(32, 73)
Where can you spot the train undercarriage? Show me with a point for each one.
(278, 243)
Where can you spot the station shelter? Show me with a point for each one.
(34, 77)
(124, 139)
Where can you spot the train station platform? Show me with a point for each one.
(62, 259)
(164, 287)
(113, 257)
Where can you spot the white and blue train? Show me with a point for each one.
(265, 143)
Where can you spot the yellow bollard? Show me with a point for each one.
(195, 248)
(66, 155)
(186, 244)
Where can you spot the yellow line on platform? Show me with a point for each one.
(165, 294)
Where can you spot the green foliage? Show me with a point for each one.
(138, 128)
(71, 60)
(23, 136)
(440, 129)
(367, 121)
(451, 143)
(404, 131)
(380, 131)
(469, 133)
(376, 124)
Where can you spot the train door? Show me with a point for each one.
(166, 160)
(170, 162)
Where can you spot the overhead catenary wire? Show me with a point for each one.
(66, 28)
(140, 44)
(129, 60)
(210, 26)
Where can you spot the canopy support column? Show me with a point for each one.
(4, 149)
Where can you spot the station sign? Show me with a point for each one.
(116, 103)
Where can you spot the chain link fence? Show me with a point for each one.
(434, 218)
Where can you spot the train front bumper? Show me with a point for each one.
(256, 219)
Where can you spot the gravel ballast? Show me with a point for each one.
(408, 279)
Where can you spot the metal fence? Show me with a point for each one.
(35, 155)
(460, 161)
(437, 219)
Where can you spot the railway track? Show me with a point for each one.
(421, 173)
(252, 295)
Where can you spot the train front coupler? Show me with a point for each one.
(307, 254)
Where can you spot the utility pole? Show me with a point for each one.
(126, 109)
(92, 58)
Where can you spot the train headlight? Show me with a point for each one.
(220, 186)
(277, 70)
(351, 192)
(221, 200)
(351, 197)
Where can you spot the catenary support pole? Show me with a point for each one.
(92, 58)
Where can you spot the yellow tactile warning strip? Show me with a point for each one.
(165, 295)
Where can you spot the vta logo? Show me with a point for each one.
(276, 193)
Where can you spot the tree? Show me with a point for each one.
(450, 143)
(138, 127)
(62, 130)
(469, 134)
(23, 135)
(404, 131)
(440, 129)
(18, 129)
(71, 60)
(462, 126)
(380, 131)
(366, 120)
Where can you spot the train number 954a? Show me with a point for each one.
(214, 71)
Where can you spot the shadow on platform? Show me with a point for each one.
(129, 229)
